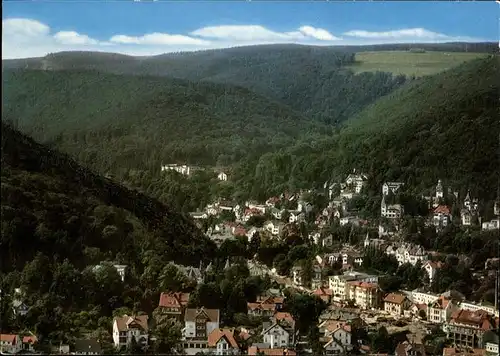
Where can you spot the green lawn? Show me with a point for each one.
(408, 63)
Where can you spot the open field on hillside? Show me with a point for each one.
(410, 63)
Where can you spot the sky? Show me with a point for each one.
(38, 27)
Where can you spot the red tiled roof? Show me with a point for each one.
(323, 292)
(364, 285)
(478, 318)
(173, 300)
(29, 339)
(441, 303)
(240, 231)
(125, 322)
(395, 298)
(284, 316)
(442, 209)
(10, 338)
(217, 334)
(254, 350)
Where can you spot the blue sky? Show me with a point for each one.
(34, 28)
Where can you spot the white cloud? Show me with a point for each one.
(257, 33)
(318, 33)
(409, 34)
(22, 37)
(158, 39)
(74, 38)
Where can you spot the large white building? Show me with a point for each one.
(199, 323)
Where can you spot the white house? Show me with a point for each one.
(466, 217)
(199, 323)
(492, 348)
(440, 310)
(277, 336)
(222, 342)
(408, 253)
(431, 268)
(391, 187)
(442, 216)
(182, 169)
(356, 181)
(10, 343)
(275, 228)
(297, 275)
(199, 215)
(391, 211)
(296, 216)
(121, 269)
(419, 297)
(222, 176)
(340, 341)
(491, 225)
(127, 327)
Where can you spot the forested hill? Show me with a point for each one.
(114, 122)
(312, 80)
(440, 127)
(51, 205)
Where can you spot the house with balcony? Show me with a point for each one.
(364, 295)
(441, 216)
(199, 323)
(126, 328)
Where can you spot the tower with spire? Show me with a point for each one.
(439, 190)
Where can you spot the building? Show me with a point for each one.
(125, 328)
(407, 253)
(391, 187)
(339, 284)
(174, 304)
(439, 190)
(297, 275)
(324, 294)
(275, 228)
(466, 217)
(431, 268)
(391, 211)
(409, 349)
(223, 342)
(10, 343)
(222, 176)
(264, 349)
(365, 295)
(396, 303)
(121, 269)
(491, 225)
(199, 323)
(340, 341)
(441, 216)
(277, 336)
(440, 310)
(466, 328)
(356, 182)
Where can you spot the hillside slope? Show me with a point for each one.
(52, 205)
(112, 122)
(309, 79)
(444, 126)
